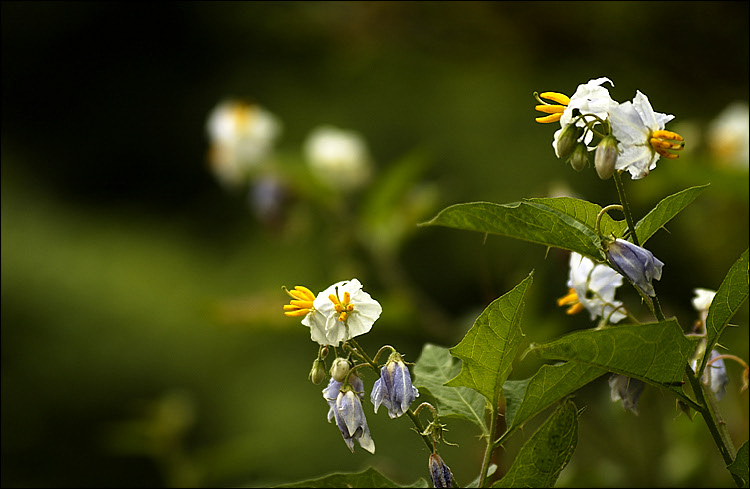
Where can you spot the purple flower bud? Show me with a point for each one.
(439, 472)
(345, 403)
(636, 264)
(393, 389)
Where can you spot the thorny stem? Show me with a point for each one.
(420, 429)
(709, 412)
(490, 446)
(625, 206)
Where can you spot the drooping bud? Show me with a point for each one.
(339, 369)
(636, 264)
(580, 157)
(440, 473)
(568, 139)
(394, 389)
(318, 372)
(606, 157)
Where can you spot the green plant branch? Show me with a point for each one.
(717, 428)
(490, 446)
(420, 429)
(625, 206)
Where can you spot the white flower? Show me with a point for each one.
(634, 124)
(592, 287)
(729, 135)
(241, 137)
(703, 298)
(338, 158)
(341, 312)
(589, 98)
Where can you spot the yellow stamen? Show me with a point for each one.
(549, 118)
(555, 111)
(301, 303)
(343, 308)
(550, 109)
(664, 141)
(571, 299)
(560, 98)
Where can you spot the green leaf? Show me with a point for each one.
(740, 465)
(489, 347)
(665, 211)
(433, 369)
(731, 295)
(547, 452)
(656, 353)
(585, 212)
(562, 222)
(551, 383)
(367, 478)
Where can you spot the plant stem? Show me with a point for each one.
(420, 429)
(717, 429)
(625, 206)
(490, 447)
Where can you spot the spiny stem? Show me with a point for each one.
(718, 430)
(490, 447)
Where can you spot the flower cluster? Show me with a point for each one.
(630, 136)
(335, 316)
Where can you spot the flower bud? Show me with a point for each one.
(566, 143)
(394, 389)
(440, 473)
(340, 369)
(318, 372)
(606, 157)
(580, 157)
(636, 264)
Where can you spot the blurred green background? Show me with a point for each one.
(142, 337)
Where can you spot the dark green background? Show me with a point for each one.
(133, 285)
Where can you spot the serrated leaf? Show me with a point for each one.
(740, 465)
(665, 211)
(367, 478)
(731, 295)
(551, 383)
(433, 369)
(535, 220)
(547, 452)
(489, 347)
(656, 353)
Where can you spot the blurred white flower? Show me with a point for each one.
(729, 135)
(338, 158)
(241, 137)
(703, 298)
(592, 287)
